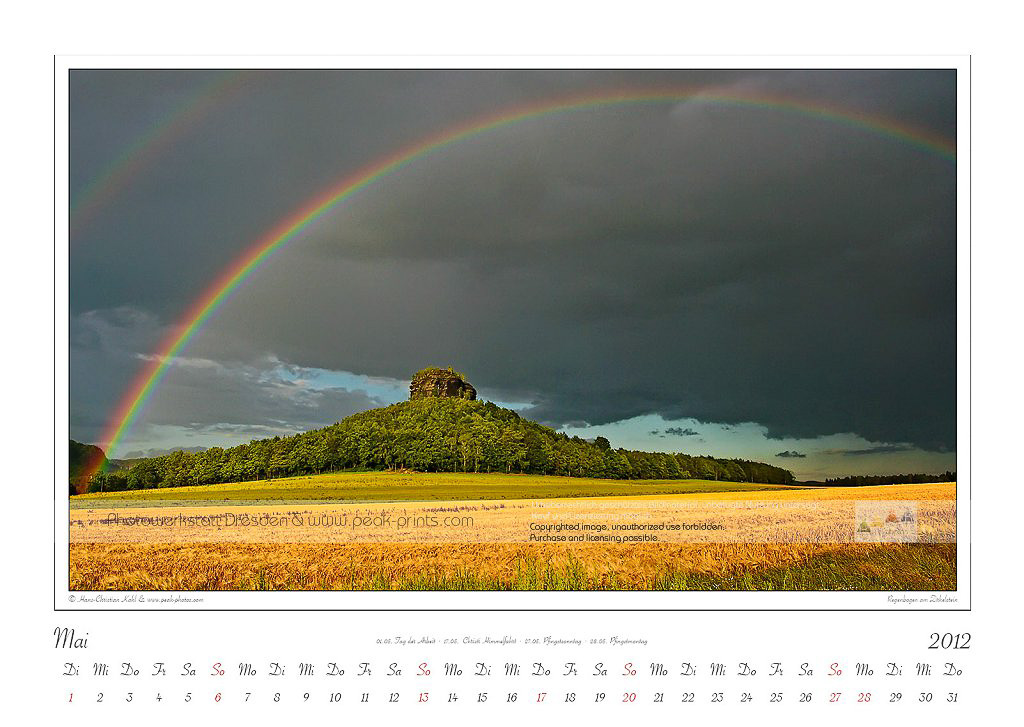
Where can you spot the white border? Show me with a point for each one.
(72, 600)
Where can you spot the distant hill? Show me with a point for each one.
(81, 457)
(134, 456)
(440, 429)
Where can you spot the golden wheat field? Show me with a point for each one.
(203, 567)
(777, 539)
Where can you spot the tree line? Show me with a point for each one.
(911, 479)
(429, 435)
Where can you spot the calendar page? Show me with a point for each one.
(522, 387)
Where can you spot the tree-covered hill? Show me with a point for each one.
(81, 458)
(430, 435)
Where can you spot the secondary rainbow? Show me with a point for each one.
(147, 148)
(257, 255)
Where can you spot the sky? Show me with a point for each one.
(738, 280)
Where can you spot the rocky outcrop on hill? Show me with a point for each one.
(440, 384)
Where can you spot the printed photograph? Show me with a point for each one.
(512, 330)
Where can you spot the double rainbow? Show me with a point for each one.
(221, 289)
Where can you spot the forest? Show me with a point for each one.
(428, 435)
(911, 479)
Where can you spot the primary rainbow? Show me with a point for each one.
(236, 274)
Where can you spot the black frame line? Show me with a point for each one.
(186, 610)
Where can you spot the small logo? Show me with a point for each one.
(889, 521)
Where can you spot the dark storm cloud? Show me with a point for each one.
(674, 432)
(881, 449)
(790, 454)
(693, 260)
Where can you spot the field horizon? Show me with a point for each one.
(775, 537)
(409, 486)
